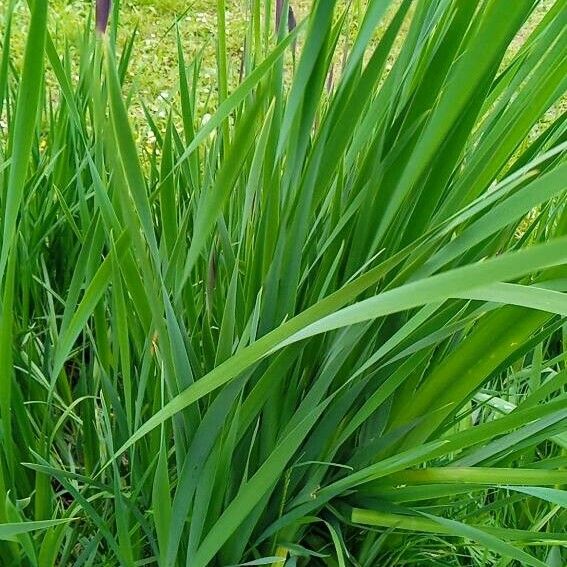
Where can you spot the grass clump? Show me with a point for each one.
(322, 325)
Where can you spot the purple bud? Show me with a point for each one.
(291, 21)
(291, 24)
(279, 8)
(102, 13)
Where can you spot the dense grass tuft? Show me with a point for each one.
(321, 324)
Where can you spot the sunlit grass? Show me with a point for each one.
(307, 311)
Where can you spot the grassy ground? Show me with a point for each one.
(153, 69)
(376, 222)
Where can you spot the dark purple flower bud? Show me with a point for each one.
(291, 21)
(102, 13)
(279, 8)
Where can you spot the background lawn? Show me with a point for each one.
(321, 322)
(153, 69)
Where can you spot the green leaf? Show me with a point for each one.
(27, 110)
(9, 532)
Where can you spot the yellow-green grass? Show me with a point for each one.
(306, 329)
(153, 70)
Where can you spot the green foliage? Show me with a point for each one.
(320, 321)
